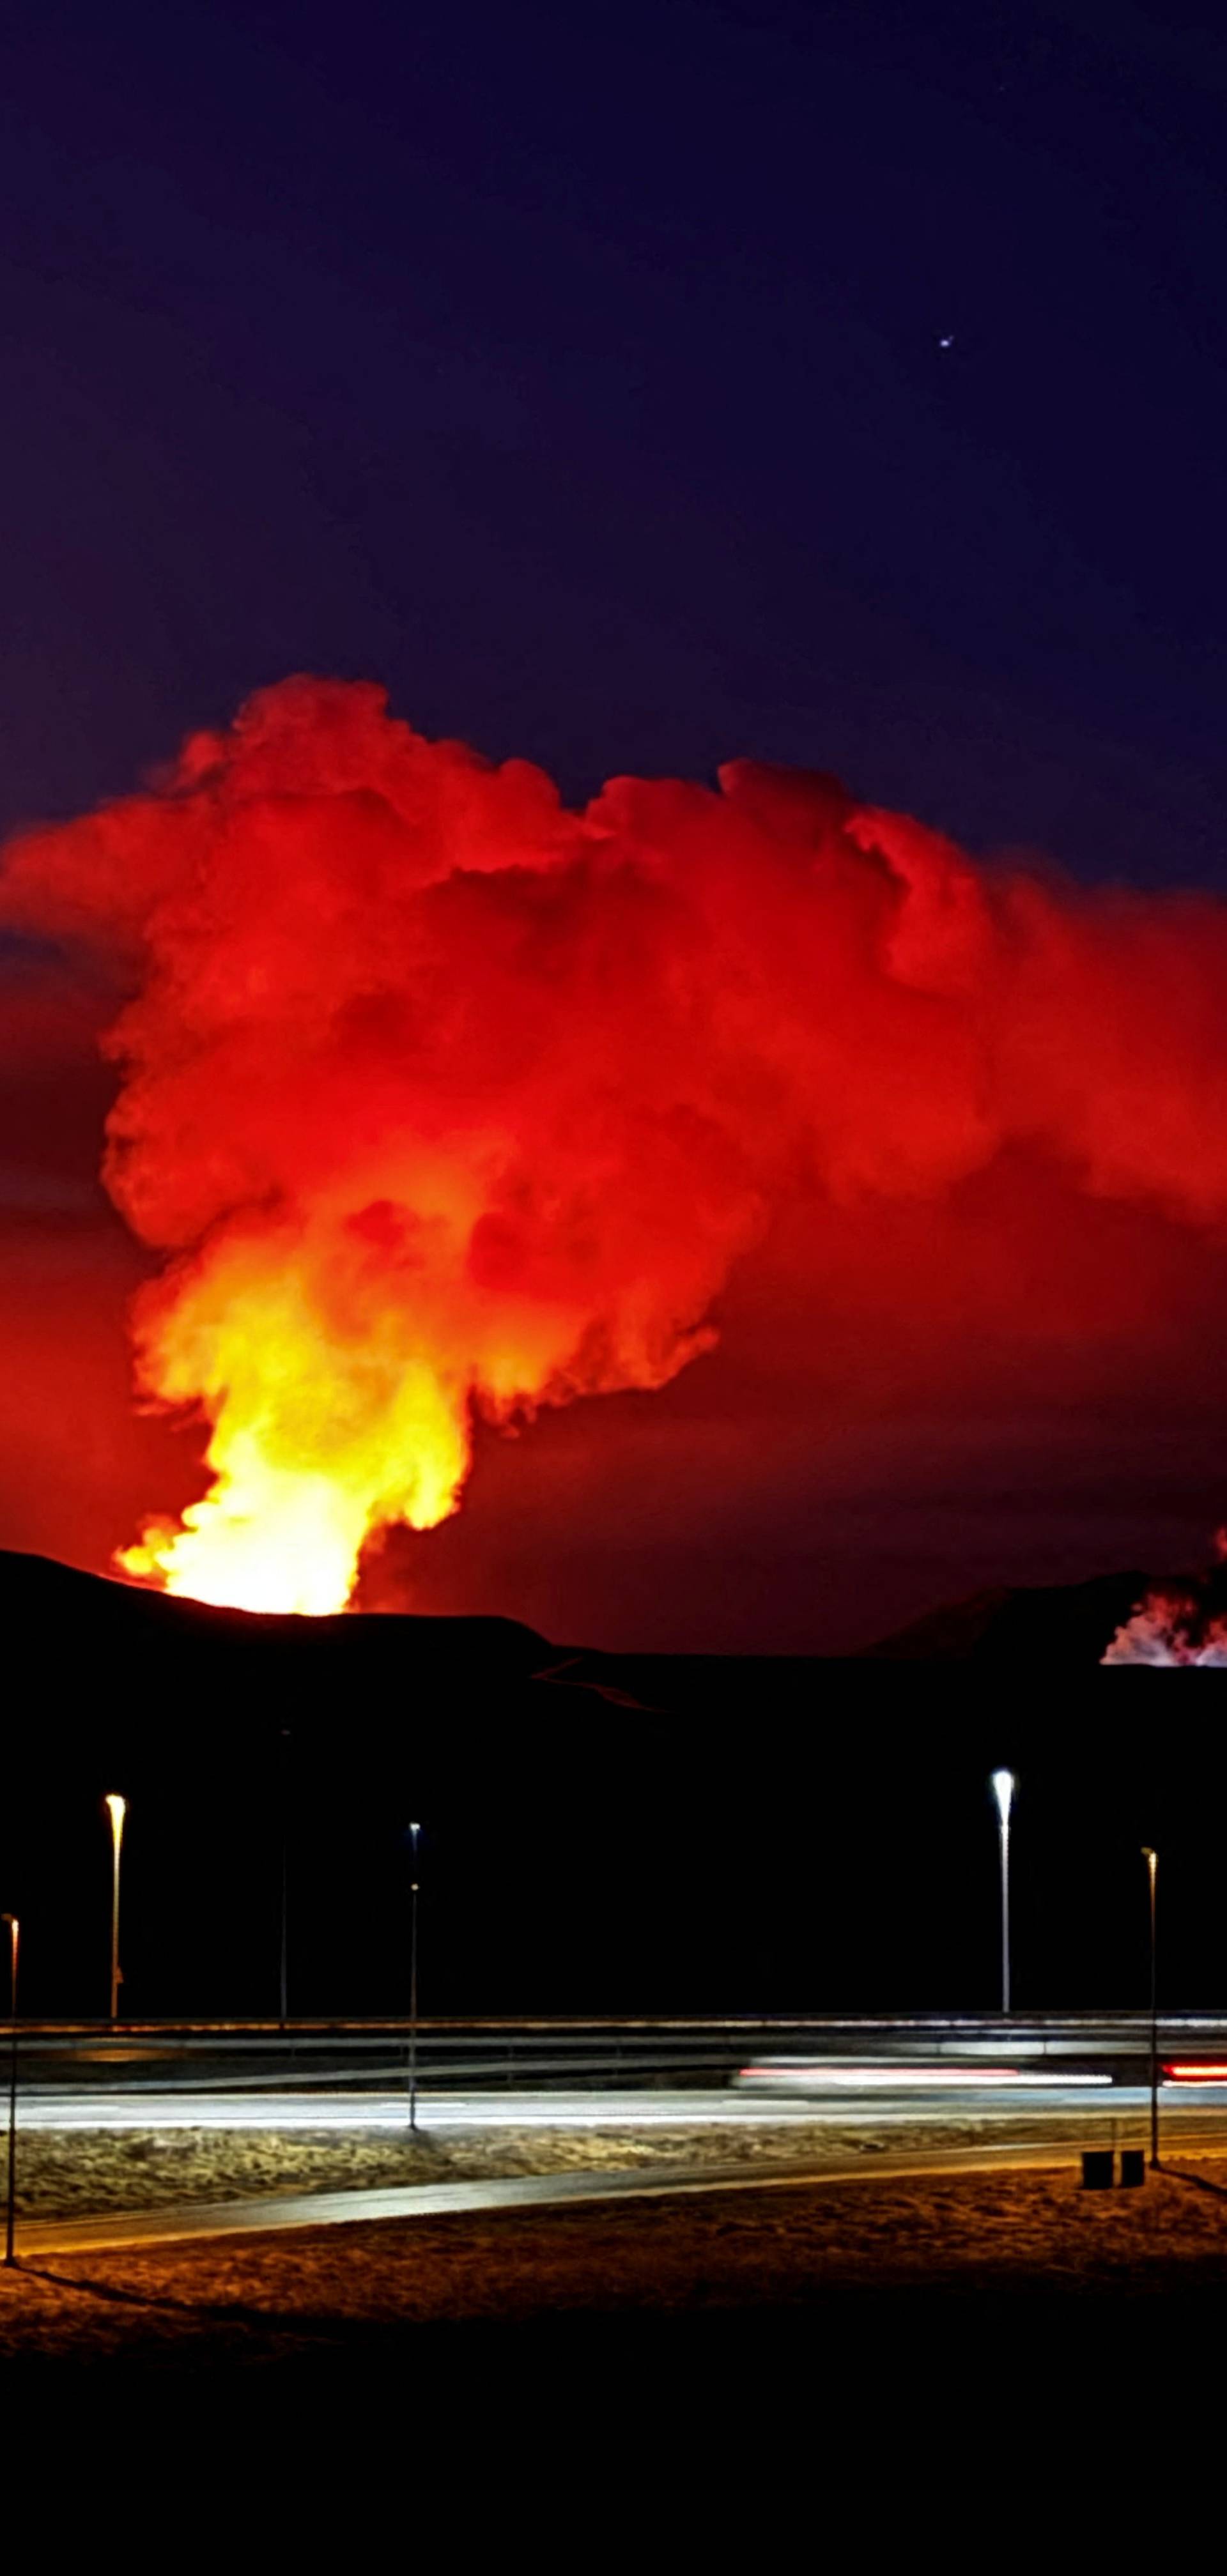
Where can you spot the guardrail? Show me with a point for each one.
(544, 2049)
(927, 2030)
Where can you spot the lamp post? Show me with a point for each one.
(1002, 1785)
(414, 1831)
(284, 1994)
(10, 2220)
(1151, 1859)
(117, 1809)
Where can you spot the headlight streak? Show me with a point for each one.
(386, 2113)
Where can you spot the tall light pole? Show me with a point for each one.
(1002, 1785)
(10, 2219)
(284, 1995)
(117, 1809)
(1151, 1859)
(414, 1831)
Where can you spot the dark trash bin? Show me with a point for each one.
(1132, 2167)
(1098, 2168)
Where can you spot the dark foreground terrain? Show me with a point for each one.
(600, 1834)
(881, 2374)
(793, 2261)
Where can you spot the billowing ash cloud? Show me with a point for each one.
(443, 1101)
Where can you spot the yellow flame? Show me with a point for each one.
(338, 1380)
(317, 1439)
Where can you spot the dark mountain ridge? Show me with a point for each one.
(1067, 1623)
(601, 1832)
(59, 1613)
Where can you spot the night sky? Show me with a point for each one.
(631, 390)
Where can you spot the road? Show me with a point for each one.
(856, 2116)
(844, 2104)
(215, 2056)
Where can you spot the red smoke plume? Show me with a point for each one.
(442, 1101)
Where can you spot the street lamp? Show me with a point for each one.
(414, 1831)
(1002, 1785)
(1151, 1859)
(10, 2221)
(117, 1809)
(284, 1994)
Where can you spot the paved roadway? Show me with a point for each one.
(851, 2104)
(480, 2054)
(843, 2103)
(766, 2093)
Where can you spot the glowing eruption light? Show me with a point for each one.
(440, 1103)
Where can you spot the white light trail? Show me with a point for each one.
(784, 2101)
(898, 2079)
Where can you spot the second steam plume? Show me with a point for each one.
(439, 1101)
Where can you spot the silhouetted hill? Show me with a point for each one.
(601, 1832)
(36, 1591)
(103, 1650)
(1055, 1626)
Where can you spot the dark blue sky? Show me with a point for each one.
(577, 372)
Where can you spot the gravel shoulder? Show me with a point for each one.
(87, 2173)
